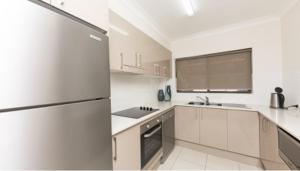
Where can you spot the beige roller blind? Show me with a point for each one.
(230, 71)
(191, 74)
(226, 72)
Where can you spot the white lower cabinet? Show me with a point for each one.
(243, 132)
(187, 125)
(269, 152)
(232, 130)
(126, 150)
(213, 128)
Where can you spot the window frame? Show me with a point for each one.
(227, 91)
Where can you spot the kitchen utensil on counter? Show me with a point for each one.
(168, 94)
(161, 95)
(277, 99)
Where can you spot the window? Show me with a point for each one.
(226, 72)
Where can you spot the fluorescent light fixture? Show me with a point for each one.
(188, 5)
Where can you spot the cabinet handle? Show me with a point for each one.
(122, 60)
(115, 144)
(62, 3)
(136, 60)
(140, 60)
(265, 124)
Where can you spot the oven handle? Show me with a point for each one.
(152, 133)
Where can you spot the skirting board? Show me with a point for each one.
(221, 153)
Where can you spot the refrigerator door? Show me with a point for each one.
(68, 137)
(49, 58)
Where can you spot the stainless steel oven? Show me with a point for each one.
(289, 149)
(151, 140)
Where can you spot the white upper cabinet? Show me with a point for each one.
(132, 51)
(213, 128)
(92, 11)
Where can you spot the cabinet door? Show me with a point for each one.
(213, 128)
(124, 53)
(243, 132)
(92, 11)
(187, 124)
(269, 145)
(126, 150)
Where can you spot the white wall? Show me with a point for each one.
(291, 54)
(264, 38)
(133, 91)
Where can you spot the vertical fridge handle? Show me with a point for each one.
(115, 152)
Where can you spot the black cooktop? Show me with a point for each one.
(136, 112)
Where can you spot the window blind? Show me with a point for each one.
(221, 72)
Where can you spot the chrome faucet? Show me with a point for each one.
(206, 100)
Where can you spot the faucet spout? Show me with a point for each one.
(206, 100)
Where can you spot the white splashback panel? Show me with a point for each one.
(133, 91)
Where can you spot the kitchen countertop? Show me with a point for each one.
(289, 120)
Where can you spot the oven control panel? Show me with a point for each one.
(152, 123)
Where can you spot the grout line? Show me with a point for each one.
(239, 166)
(176, 158)
(206, 158)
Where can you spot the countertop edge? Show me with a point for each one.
(171, 106)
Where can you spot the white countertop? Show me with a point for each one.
(289, 120)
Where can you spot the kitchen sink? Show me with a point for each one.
(219, 104)
(203, 104)
(196, 103)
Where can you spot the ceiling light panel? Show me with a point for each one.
(188, 6)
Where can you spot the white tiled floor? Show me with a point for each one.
(186, 159)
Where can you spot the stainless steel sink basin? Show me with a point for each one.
(203, 104)
(196, 103)
(219, 104)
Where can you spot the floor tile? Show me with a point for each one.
(193, 156)
(185, 165)
(248, 167)
(176, 151)
(217, 163)
(168, 164)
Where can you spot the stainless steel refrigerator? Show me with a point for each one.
(54, 90)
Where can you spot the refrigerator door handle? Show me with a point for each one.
(115, 149)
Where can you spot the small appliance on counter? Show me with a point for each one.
(278, 99)
(161, 95)
(168, 94)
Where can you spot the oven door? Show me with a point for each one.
(151, 143)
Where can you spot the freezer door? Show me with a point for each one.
(48, 58)
(68, 137)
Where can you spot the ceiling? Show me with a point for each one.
(170, 18)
